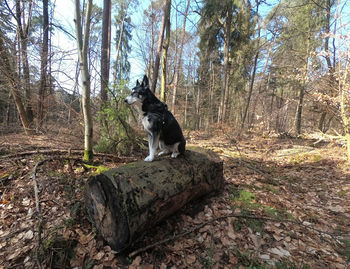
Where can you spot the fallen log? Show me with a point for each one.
(126, 201)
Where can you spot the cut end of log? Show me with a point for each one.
(130, 199)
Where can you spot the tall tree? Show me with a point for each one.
(44, 62)
(225, 31)
(256, 57)
(83, 46)
(8, 70)
(105, 48)
(298, 38)
(23, 26)
(165, 17)
(178, 65)
(123, 37)
(164, 61)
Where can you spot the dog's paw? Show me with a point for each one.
(174, 154)
(149, 159)
(164, 152)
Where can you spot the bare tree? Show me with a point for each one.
(83, 46)
(44, 62)
(8, 70)
(166, 15)
(164, 61)
(178, 66)
(105, 48)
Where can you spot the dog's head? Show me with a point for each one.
(139, 92)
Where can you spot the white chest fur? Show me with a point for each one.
(146, 124)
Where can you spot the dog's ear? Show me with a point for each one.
(145, 81)
(137, 83)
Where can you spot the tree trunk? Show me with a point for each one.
(9, 72)
(197, 122)
(23, 29)
(344, 103)
(166, 15)
(178, 66)
(83, 46)
(302, 90)
(251, 87)
(119, 45)
(164, 61)
(126, 201)
(44, 61)
(105, 49)
(224, 94)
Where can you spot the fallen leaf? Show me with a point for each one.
(279, 251)
(190, 259)
(99, 255)
(28, 235)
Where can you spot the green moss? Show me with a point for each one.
(345, 249)
(316, 158)
(5, 176)
(341, 193)
(272, 189)
(98, 168)
(88, 155)
(277, 213)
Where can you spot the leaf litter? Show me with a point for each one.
(286, 180)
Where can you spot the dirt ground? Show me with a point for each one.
(286, 204)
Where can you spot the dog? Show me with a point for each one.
(161, 126)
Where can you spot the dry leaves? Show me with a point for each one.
(287, 178)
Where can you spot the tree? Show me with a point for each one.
(123, 37)
(225, 29)
(44, 62)
(83, 46)
(178, 65)
(296, 43)
(257, 51)
(8, 70)
(165, 17)
(105, 48)
(23, 26)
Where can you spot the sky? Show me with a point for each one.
(64, 13)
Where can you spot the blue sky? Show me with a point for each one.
(64, 12)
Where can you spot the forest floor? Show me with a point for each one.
(286, 204)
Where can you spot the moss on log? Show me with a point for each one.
(128, 200)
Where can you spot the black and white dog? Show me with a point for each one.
(161, 126)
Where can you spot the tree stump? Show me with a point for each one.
(128, 200)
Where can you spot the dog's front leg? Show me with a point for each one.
(153, 142)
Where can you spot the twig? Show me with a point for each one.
(38, 210)
(197, 227)
(5, 237)
(61, 151)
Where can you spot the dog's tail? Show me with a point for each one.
(182, 146)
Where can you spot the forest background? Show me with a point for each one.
(265, 84)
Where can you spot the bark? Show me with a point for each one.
(23, 29)
(178, 66)
(127, 201)
(251, 87)
(302, 91)
(344, 106)
(164, 61)
(119, 45)
(44, 61)
(331, 69)
(224, 94)
(197, 107)
(10, 74)
(105, 48)
(166, 15)
(83, 45)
